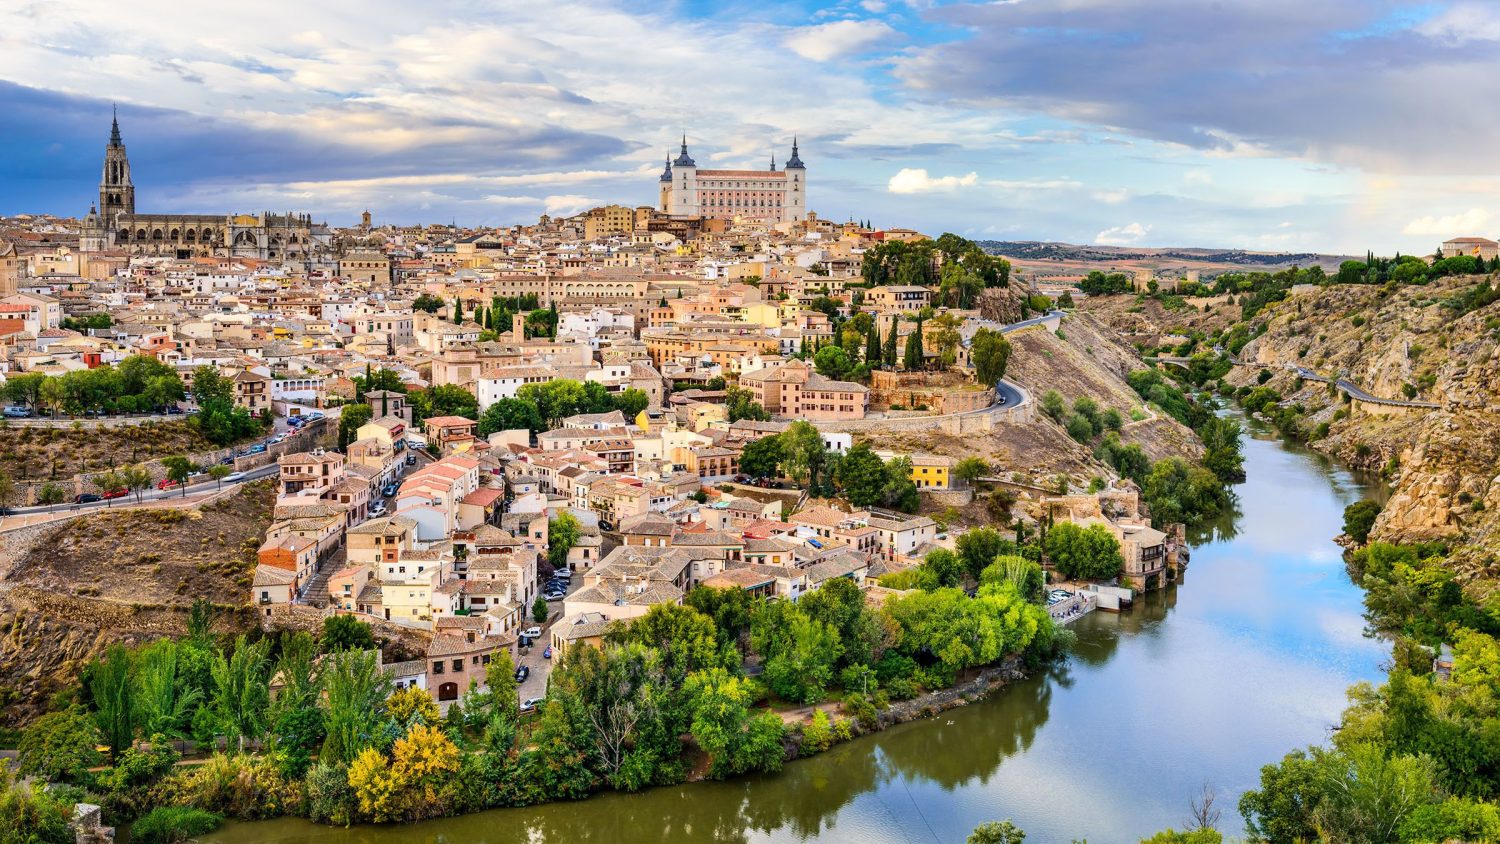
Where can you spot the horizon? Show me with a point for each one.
(1265, 127)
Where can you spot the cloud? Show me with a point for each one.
(1349, 82)
(840, 38)
(1197, 177)
(916, 180)
(1122, 235)
(1034, 184)
(1111, 197)
(1467, 222)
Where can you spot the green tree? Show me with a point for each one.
(355, 690)
(178, 469)
(539, 610)
(219, 472)
(1084, 553)
(970, 469)
(562, 535)
(510, 415)
(762, 458)
(351, 418)
(913, 358)
(888, 352)
(1054, 405)
(872, 346)
(736, 741)
(344, 633)
(59, 746)
(832, 362)
(164, 702)
(741, 404)
(427, 302)
(51, 495)
(803, 451)
(1359, 519)
(996, 832)
(979, 547)
(799, 652)
(862, 476)
(241, 690)
(210, 386)
(110, 685)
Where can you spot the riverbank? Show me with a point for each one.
(1205, 681)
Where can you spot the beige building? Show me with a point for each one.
(795, 391)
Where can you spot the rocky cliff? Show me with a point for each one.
(1401, 343)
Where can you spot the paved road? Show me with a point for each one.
(1026, 323)
(1008, 394)
(206, 485)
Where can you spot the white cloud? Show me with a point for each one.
(916, 180)
(568, 204)
(840, 38)
(1467, 222)
(1122, 235)
(1198, 177)
(1034, 184)
(1111, 197)
(873, 6)
(1463, 23)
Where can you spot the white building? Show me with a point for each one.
(769, 196)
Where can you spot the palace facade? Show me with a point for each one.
(768, 196)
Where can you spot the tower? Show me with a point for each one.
(685, 184)
(795, 209)
(666, 186)
(116, 193)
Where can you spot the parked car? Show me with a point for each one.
(258, 448)
(377, 509)
(564, 573)
(17, 412)
(86, 498)
(532, 632)
(411, 459)
(166, 483)
(530, 704)
(173, 409)
(234, 477)
(547, 654)
(228, 461)
(522, 673)
(389, 490)
(115, 493)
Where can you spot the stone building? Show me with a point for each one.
(769, 196)
(114, 224)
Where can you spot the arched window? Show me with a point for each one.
(156, 234)
(176, 234)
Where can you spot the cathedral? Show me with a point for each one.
(768, 196)
(114, 224)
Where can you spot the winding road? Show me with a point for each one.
(206, 485)
(1354, 391)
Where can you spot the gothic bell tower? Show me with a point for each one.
(116, 192)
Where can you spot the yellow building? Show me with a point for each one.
(931, 471)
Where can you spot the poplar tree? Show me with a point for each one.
(872, 345)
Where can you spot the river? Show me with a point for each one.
(1201, 684)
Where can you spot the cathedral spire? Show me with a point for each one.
(666, 175)
(114, 129)
(773, 162)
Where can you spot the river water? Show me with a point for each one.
(1246, 659)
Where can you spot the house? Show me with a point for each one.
(455, 659)
(575, 630)
(794, 391)
(252, 391)
(271, 587)
(453, 432)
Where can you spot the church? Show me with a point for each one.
(767, 196)
(114, 224)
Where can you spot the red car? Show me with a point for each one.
(116, 493)
(166, 483)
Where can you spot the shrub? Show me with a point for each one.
(173, 824)
(817, 736)
(1359, 519)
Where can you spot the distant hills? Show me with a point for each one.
(1039, 254)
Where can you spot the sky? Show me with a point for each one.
(1280, 125)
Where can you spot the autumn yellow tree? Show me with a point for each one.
(411, 706)
(412, 783)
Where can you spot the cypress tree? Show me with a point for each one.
(872, 345)
(914, 357)
(889, 355)
(458, 310)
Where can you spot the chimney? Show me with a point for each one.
(518, 327)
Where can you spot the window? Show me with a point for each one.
(437, 666)
(458, 665)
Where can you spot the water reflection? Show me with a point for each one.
(1247, 657)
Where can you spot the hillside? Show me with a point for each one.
(34, 452)
(1399, 342)
(1087, 360)
(68, 590)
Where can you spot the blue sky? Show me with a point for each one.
(1337, 125)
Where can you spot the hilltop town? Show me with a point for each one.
(432, 403)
